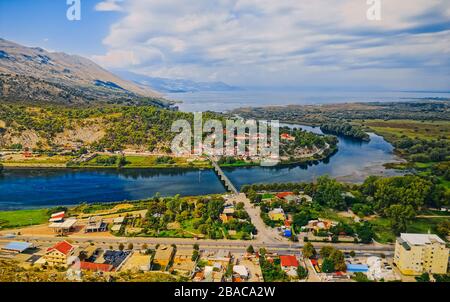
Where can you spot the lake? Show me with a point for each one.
(228, 100)
(32, 188)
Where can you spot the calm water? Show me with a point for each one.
(39, 188)
(228, 100)
(353, 162)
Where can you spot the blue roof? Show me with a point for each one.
(17, 246)
(353, 268)
(287, 233)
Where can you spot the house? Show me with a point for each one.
(16, 247)
(419, 253)
(289, 264)
(213, 275)
(221, 256)
(95, 267)
(287, 137)
(117, 224)
(283, 195)
(241, 271)
(163, 255)
(277, 215)
(64, 227)
(57, 217)
(95, 225)
(183, 263)
(305, 198)
(320, 225)
(59, 254)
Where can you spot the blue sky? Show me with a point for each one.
(284, 43)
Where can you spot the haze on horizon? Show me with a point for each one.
(249, 43)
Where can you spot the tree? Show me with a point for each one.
(360, 277)
(250, 249)
(326, 251)
(425, 277)
(399, 216)
(339, 260)
(309, 250)
(130, 246)
(443, 229)
(365, 232)
(302, 272)
(329, 193)
(328, 265)
(121, 247)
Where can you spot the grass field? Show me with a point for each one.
(136, 161)
(21, 218)
(413, 129)
(384, 233)
(19, 160)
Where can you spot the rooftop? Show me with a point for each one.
(289, 260)
(17, 246)
(420, 239)
(63, 247)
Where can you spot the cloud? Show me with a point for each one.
(286, 42)
(109, 6)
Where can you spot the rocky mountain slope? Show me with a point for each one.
(35, 75)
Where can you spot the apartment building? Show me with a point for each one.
(419, 253)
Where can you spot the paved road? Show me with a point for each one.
(204, 244)
(266, 235)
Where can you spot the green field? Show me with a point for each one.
(393, 129)
(21, 218)
(384, 233)
(136, 161)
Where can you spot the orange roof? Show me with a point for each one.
(289, 260)
(287, 223)
(284, 194)
(95, 266)
(63, 247)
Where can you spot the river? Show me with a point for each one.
(33, 188)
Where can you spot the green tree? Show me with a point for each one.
(121, 247)
(328, 265)
(329, 193)
(399, 216)
(302, 272)
(425, 277)
(309, 250)
(250, 249)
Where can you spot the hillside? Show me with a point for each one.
(35, 75)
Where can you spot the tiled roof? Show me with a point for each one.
(63, 247)
(95, 266)
(289, 260)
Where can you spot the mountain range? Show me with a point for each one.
(32, 74)
(173, 85)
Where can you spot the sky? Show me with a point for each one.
(321, 44)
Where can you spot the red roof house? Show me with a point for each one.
(282, 195)
(95, 267)
(288, 261)
(62, 247)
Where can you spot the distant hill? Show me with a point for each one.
(174, 85)
(30, 74)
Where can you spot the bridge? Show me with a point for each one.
(227, 182)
